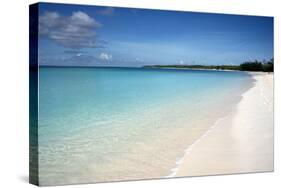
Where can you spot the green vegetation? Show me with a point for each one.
(216, 67)
(257, 66)
(265, 66)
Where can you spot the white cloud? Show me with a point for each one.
(75, 31)
(105, 56)
(181, 62)
(82, 19)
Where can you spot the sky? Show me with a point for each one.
(81, 35)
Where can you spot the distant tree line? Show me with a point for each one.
(265, 66)
(217, 67)
(257, 66)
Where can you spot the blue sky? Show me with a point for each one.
(73, 35)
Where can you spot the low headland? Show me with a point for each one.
(256, 66)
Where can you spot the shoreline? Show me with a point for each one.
(240, 142)
(188, 150)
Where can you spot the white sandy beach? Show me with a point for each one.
(242, 142)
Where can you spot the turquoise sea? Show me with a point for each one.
(113, 124)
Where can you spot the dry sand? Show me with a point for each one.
(242, 142)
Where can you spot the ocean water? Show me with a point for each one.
(114, 124)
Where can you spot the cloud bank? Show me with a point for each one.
(76, 31)
(105, 57)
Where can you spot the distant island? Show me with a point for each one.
(265, 66)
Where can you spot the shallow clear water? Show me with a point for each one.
(112, 124)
